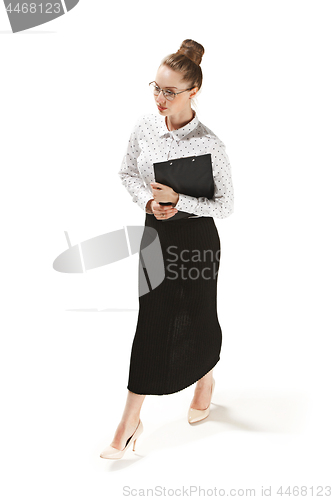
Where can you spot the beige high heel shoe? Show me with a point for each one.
(111, 452)
(197, 415)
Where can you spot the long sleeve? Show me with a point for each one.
(222, 204)
(151, 141)
(130, 175)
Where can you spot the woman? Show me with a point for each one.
(178, 337)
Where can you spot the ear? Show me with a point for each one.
(193, 92)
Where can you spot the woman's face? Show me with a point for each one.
(167, 78)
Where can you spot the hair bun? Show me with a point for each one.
(192, 50)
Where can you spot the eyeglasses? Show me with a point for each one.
(168, 94)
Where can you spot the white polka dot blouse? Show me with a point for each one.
(151, 142)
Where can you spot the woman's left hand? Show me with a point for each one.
(163, 193)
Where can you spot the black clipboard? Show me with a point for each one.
(192, 175)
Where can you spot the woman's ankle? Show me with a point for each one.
(130, 420)
(205, 382)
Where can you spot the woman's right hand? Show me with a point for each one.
(158, 210)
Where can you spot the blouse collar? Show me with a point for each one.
(180, 133)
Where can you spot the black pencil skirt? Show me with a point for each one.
(178, 337)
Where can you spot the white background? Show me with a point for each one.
(71, 91)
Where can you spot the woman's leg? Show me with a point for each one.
(202, 393)
(129, 420)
